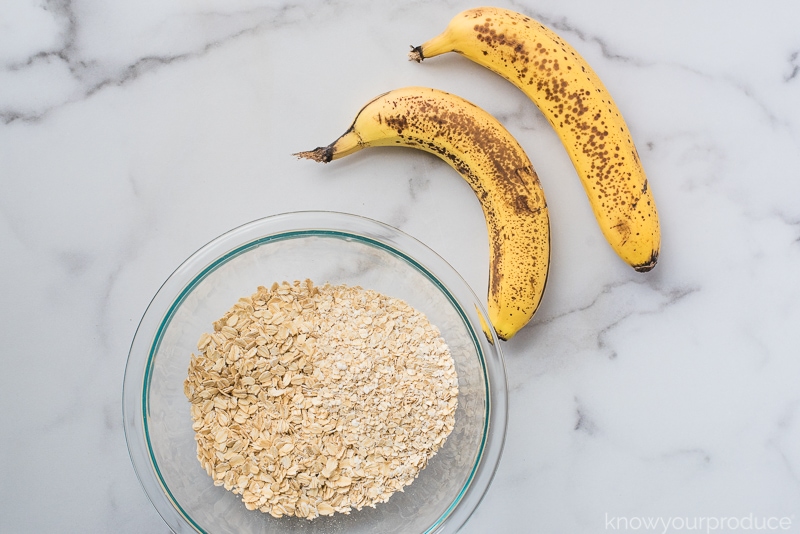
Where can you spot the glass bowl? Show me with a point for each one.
(324, 247)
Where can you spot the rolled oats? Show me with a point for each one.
(311, 400)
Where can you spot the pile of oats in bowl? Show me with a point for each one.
(310, 400)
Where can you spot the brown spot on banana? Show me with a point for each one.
(580, 109)
(497, 169)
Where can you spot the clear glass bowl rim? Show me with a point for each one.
(237, 241)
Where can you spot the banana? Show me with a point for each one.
(572, 97)
(477, 146)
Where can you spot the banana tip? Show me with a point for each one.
(648, 265)
(505, 337)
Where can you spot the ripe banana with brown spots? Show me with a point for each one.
(496, 167)
(572, 97)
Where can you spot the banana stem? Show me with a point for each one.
(416, 54)
(441, 44)
(320, 154)
(347, 144)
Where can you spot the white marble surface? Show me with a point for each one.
(132, 133)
